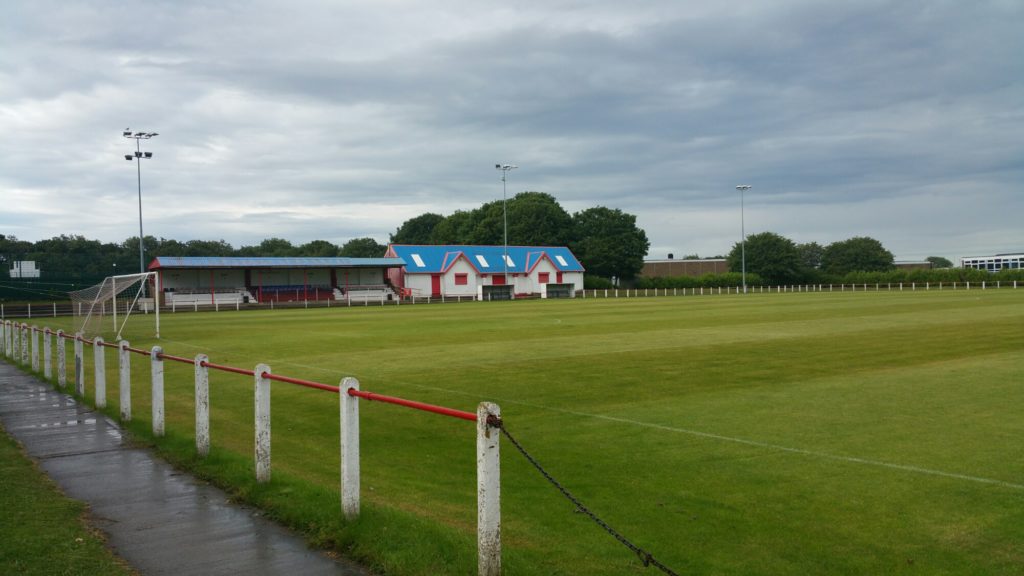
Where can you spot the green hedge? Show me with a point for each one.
(944, 275)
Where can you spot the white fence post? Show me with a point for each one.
(79, 365)
(62, 363)
(24, 344)
(262, 423)
(100, 370)
(349, 408)
(124, 366)
(35, 349)
(202, 405)
(156, 371)
(47, 353)
(488, 485)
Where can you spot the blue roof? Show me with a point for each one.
(486, 259)
(268, 262)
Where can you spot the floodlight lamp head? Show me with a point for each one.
(138, 154)
(127, 133)
(128, 157)
(139, 134)
(743, 187)
(151, 134)
(148, 154)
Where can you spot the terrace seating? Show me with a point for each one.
(202, 296)
(368, 294)
(293, 292)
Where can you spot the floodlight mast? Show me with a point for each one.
(743, 237)
(504, 212)
(138, 157)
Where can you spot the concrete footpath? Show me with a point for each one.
(159, 520)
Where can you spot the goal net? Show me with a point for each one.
(104, 309)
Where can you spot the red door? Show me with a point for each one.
(499, 280)
(559, 277)
(435, 284)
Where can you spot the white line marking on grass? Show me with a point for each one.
(699, 434)
(755, 443)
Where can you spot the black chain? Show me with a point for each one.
(644, 555)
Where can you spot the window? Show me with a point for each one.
(561, 260)
(508, 261)
(543, 277)
(461, 279)
(419, 261)
(483, 261)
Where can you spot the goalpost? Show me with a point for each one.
(117, 297)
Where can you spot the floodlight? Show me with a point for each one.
(126, 133)
(128, 157)
(148, 154)
(139, 133)
(138, 154)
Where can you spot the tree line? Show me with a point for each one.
(772, 259)
(72, 257)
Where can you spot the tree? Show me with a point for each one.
(609, 243)
(416, 230)
(939, 262)
(810, 255)
(772, 257)
(317, 249)
(362, 248)
(537, 219)
(209, 248)
(278, 247)
(455, 229)
(859, 254)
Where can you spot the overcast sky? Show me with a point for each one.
(902, 120)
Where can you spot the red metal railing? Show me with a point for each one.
(163, 356)
(412, 404)
(300, 382)
(223, 368)
(371, 396)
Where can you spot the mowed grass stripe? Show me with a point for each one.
(923, 380)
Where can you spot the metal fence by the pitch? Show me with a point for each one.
(54, 309)
(21, 343)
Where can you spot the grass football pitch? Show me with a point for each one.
(808, 433)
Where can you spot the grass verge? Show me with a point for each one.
(44, 532)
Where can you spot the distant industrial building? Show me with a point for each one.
(24, 269)
(994, 263)
(686, 267)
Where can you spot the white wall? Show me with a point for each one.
(448, 286)
(419, 284)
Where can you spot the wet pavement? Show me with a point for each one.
(160, 520)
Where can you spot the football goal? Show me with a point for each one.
(113, 301)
